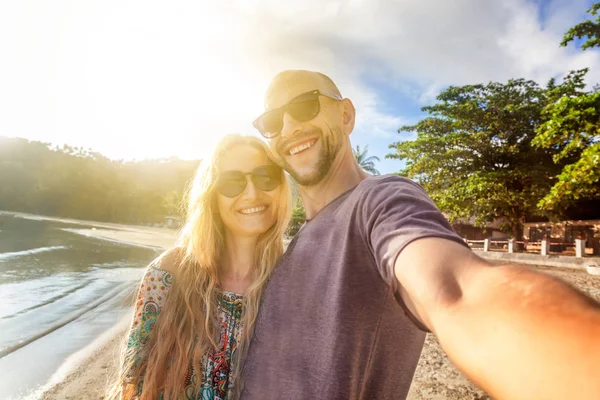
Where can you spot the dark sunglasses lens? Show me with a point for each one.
(269, 124)
(304, 110)
(231, 185)
(267, 178)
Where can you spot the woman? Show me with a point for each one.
(198, 302)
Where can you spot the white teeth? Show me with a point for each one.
(298, 149)
(253, 210)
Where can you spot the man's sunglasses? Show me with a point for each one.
(233, 183)
(302, 108)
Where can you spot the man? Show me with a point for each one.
(377, 265)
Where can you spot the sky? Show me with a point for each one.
(153, 79)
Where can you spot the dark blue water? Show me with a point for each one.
(59, 291)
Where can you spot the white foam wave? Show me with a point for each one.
(121, 263)
(86, 233)
(4, 256)
(79, 358)
(122, 288)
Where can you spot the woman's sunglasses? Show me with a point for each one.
(233, 183)
(302, 108)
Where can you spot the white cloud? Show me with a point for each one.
(137, 79)
(429, 44)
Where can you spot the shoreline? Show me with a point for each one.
(98, 224)
(89, 372)
(115, 236)
(131, 235)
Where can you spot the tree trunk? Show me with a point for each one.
(517, 231)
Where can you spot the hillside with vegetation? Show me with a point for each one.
(72, 182)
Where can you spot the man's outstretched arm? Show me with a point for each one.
(516, 333)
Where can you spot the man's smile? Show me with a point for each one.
(301, 147)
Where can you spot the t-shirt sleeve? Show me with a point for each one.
(149, 302)
(395, 212)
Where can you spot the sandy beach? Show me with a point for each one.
(87, 373)
(129, 234)
(91, 378)
(435, 377)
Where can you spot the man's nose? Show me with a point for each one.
(290, 126)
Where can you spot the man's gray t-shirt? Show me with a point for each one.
(332, 324)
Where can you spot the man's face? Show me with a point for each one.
(307, 149)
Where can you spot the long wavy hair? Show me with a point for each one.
(187, 327)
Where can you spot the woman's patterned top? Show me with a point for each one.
(218, 376)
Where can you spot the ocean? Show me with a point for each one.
(60, 292)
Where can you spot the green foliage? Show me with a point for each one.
(510, 151)
(366, 163)
(298, 218)
(173, 203)
(572, 130)
(473, 153)
(73, 182)
(589, 29)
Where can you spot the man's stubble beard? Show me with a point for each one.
(327, 154)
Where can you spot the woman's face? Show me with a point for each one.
(253, 211)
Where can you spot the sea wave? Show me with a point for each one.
(82, 357)
(85, 232)
(46, 301)
(113, 264)
(122, 288)
(4, 256)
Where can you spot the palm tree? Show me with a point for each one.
(366, 163)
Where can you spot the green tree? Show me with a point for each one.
(473, 153)
(298, 212)
(74, 182)
(173, 203)
(589, 29)
(572, 129)
(366, 163)
(298, 218)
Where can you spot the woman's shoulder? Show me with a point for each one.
(168, 261)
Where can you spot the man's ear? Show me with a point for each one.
(348, 116)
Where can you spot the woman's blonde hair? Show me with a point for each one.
(187, 327)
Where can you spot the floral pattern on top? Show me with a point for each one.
(218, 378)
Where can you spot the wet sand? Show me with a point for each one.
(91, 379)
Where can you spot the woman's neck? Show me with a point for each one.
(237, 262)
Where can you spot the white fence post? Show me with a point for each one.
(579, 248)
(544, 247)
(511, 245)
(486, 245)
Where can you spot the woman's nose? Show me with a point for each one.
(251, 191)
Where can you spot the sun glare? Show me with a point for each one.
(137, 91)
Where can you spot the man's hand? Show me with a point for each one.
(518, 334)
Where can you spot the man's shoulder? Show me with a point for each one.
(370, 193)
(381, 182)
